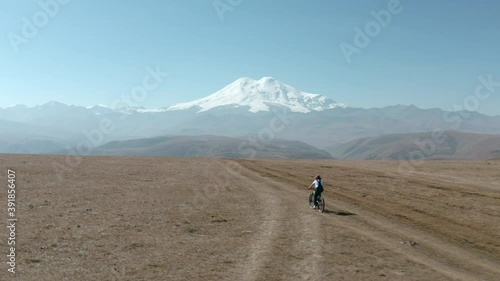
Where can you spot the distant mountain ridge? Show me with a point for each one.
(451, 145)
(67, 125)
(209, 146)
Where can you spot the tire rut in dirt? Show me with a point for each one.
(310, 245)
(294, 249)
(273, 213)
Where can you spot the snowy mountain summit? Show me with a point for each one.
(259, 95)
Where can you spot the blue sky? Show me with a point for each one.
(430, 53)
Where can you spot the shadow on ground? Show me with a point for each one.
(339, 213)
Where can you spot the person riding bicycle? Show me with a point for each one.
(318, 189)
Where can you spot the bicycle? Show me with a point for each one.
(321, 202)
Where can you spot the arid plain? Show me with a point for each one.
(133, 218)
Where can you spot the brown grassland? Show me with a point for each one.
(126, 218)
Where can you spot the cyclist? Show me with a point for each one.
(318, 189)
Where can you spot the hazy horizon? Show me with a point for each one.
(161, 106)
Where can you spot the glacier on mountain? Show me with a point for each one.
(259, 95)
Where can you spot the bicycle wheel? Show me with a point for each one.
(311, 202)
(321, 204)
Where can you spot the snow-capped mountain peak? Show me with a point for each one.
(100, 109)
(53, 104)
(259, 95)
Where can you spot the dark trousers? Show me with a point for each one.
(317, 193)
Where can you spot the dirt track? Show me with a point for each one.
(218, 219)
